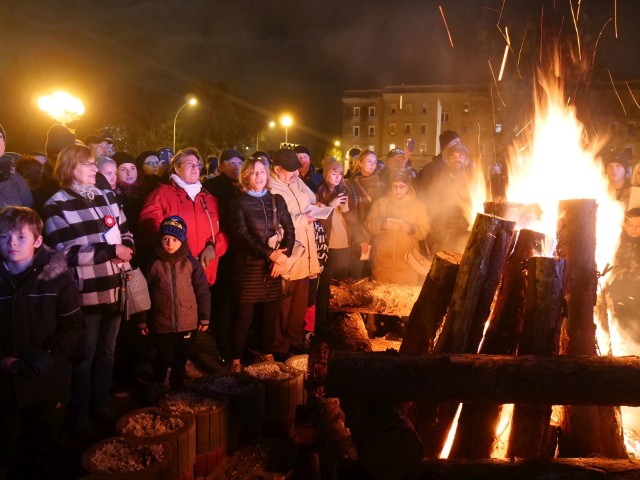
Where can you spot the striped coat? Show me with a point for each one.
(76, 225)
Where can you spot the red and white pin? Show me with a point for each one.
(109, 221)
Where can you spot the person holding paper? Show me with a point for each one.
(341, 228)
(88, 225)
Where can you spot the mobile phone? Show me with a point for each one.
(411, 143)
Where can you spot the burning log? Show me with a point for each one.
(475, 435)
(589, 430)
(369, 296)
(475, 287)
(388, 447)
(506, 210)
(430, 308)
(528, 379)
(540, 336)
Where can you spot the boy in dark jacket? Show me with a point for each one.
(41, 326)
(180, 302)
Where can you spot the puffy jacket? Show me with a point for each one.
(298, 198)
(200, 217)
(390, 245)
(40, 316)
(180, 297)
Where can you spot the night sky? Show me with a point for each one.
(278, 56)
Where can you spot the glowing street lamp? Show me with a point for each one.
(61, 106)
(192, 101)
(271, 124)
(286, 121)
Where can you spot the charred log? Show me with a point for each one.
(528, 379)
(369, 296)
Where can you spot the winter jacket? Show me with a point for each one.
(390, 244)
(298, 198)
(14, 191)
(180, 297)
(223, 188)
(75, 225)
(312, 178)
(252, 224)
(201, 217)
(348, 213)
(40, 322)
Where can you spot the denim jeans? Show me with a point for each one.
(92, 376)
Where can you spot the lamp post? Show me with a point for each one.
(271, 124)
(192, 101)
(286, 121)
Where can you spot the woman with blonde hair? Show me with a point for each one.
(256, 214)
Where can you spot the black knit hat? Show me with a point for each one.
(229, 154)
(446, 138)
(123, 157)
(302, 149)
(58, 137)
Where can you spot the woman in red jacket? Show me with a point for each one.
(185, 197)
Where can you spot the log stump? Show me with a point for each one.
(300, 364)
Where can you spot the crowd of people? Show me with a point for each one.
(239, 250)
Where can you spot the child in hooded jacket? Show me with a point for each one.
(180, 302)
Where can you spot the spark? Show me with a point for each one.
(575, 24)
(506, 52)
(632, 95)
(501, 9)
(445, 25)
(522, 129)
(615, 16)
(593, 60)
(494, 81)
(614, 89)
(400, 101)
(522, 45)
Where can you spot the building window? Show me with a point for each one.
(498, 127)
(444, 117)
(466, 107)
(423, 128)
(393, 108)
(371, 131)
(392, 146)
(371, 147)
(392, 129)
(372, 111)
(423, 149)
(423, 109)
(356, 111)
(407, 128)
(408, 109)
(356, 131)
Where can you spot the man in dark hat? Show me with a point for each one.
(58, 137)
(307, 171)
(99, 143)
(223, 187)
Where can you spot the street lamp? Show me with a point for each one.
(61, 106)
(286, 121)
(271, 124)
(192, 101)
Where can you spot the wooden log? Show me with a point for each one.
(527, 379)
(506, 210)
(540, 336)
(428, 312)
(529, 469)
(589, 430)
(476, 285)
(475, 288)
(475, 434)
(369, 296)
(388, 446)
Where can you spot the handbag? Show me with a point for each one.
(134, 292)
(418, 262)
(274, 241)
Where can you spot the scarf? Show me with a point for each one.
(192, 189)
(257, 194)
(86, 191)
(172, 258)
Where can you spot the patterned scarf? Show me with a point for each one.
(86, 191)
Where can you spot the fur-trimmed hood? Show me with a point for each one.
(55, 263)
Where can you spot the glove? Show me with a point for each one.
(207, 255)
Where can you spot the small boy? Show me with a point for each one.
(180, 303)
(41, 326)
(625, 287)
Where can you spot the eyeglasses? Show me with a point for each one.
(197, 165)
(89, 164)
(152, 163)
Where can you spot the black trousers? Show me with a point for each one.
(337, 268)
(244, 319)
(172, 352)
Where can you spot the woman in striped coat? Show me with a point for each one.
(88, 226)
(256, 266)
